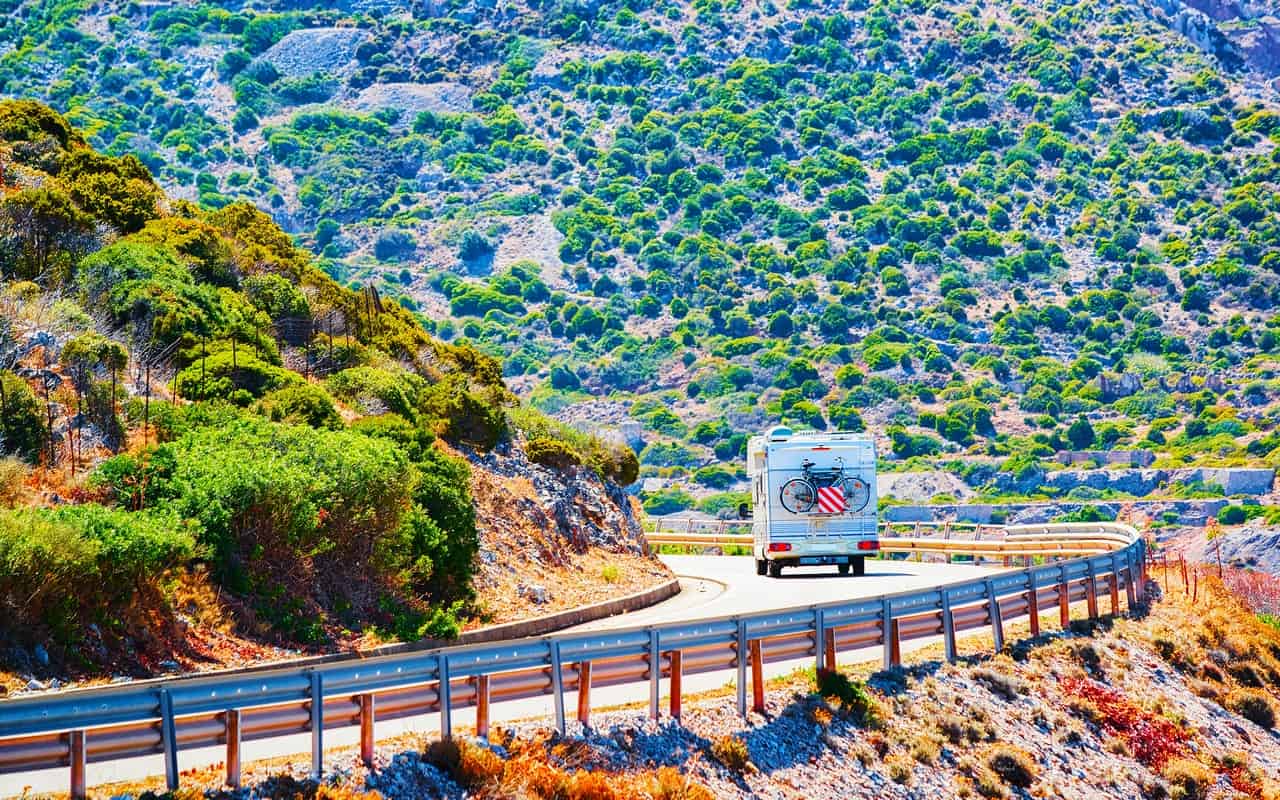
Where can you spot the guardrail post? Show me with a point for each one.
(948, 627)
(886, 631)
(366, 729)
(482, 707)
(1091, 590)
(584, 692)
(232, 725)
(1130, 592)
(895, 643)
(1064, 598)
(829, 650)
(997, 622)
(317, 725)
(76, 746)
(819, 637)
(1033, 603)
(1113, 584)
(742, 667)
(757, 677)
(677, 677)
(557, 686)
(655, 674)
(445, 693)
(169, 737)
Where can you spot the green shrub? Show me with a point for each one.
(373, 390)
(852, 695)
(23, 425)
(233, 377)
(149, 291)
(303, 403)
(167, 421)
(667, 501)
(69, 567)
(276, 296)
(458, 414)
(1232, 515)
(551, 453)
(286, 511)
(442, 493)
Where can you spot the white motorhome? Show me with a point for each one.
(813, 500)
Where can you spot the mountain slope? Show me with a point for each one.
(965, 228)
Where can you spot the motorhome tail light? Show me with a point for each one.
(779, 547)
(871, 545)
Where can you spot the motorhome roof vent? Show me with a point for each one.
(779, 434)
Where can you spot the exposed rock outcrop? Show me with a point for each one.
(1242, 34)
(553, 530)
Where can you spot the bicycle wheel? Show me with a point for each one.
(798, 495)
(856, 493)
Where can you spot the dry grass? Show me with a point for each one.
(732, 752)
(927, 748)
(1254, 705)
(14, 473)
(1231, 656)
(1015, 766)
(980, 779)
(529, 772)
(901, 768)
(1001, 682)
(1188, 779)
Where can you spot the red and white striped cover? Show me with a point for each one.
(830, 500)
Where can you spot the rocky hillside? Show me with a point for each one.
(1244, 35)
(210, 449)
(977, 231)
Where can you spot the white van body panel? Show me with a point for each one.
(777, 457)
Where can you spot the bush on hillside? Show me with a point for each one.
(85, 564)
(304, 404)
(23, 422)
(551, 453)
(148, 290)
(235, 378)
(1254, 705)
(374, 390)
(305, 523)
(456, 413)
(443, 494)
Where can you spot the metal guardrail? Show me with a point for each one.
(75, 727)
(920, 537)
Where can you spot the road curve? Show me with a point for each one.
(710, 586)
(713, 586)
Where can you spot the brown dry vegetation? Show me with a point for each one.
(542, 769)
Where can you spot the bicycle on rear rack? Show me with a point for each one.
(800, 495)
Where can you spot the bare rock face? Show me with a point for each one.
(305, 52)
(553, 539)
(1252, 547)
(1117, 386)
(1242, 34)
(573, 504)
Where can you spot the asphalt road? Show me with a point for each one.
(711, 586)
